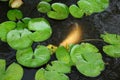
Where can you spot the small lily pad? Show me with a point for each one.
(59, 66)
(40, 74)
(44, 7)
(61, 11)
(19, 39)
(76, 11)
(113, 47)
(63, 55)
(13, 72)
(41, 29)
(23, 23)
(14, 15)
(87, 59)
(53, 75)
(5, 27)
(28, 58)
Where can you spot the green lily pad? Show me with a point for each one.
(63, 55)
(76, 11)
(111, 38)
(47, 0)
(113, 49)
(28, 58)
(14, 15)
(87, 59)
(44, 7)
(59, 9)
(13, 72)
(53, 75)
(59, 66)
(23, 23)
(40, 74)
(19, 39)
(5, 27)
(41, 29)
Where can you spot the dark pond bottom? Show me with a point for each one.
(93, 26)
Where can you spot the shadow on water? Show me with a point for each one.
(92, 26)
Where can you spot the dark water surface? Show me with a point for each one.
(93, 26)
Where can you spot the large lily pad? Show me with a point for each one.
(28, 58)
(87, 59)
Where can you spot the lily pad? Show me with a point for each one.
(53, 75)
(61, 11)
(5, 27)
(87, 59)
(59, 66)
(44, 7)
(76, 11)
(14, 15)
(28, 58)
(13, 72)
(111, 38)
(41, 29)
(19, 39)
(23, 23)
(113, 48)
(40, 74)
(63, 55)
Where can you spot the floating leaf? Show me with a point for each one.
(53, 75)
(87, 59)
(41, 28)
(13, 72)
(76, 11)
(60, 12)
(28, 58)
(111, 38)
(14, 14)
(40, 74)
(47, 0)
(59, 66)
(19, 39)
(113, 49)
(63, 55)
(5, 27)
(44, 7)
(23, 23)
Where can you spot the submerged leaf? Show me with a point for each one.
(28, 58)
(87, 59)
